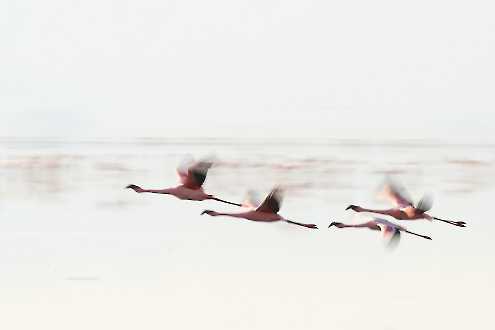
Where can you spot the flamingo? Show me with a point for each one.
(404, 206)
(192, 176)
(266, 211)
(390, 230)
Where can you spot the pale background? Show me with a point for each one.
(326, 98)
(347, 69)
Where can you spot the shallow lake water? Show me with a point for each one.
(78, 251)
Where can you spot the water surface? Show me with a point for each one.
(81, 252)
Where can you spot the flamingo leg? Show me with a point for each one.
(224, 201)
(415, 234)
(455, 223)
(307, 225)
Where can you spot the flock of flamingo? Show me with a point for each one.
(193, 174)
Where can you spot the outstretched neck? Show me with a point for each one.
(166, 191)
(138, 189)
(356, 208)
(217, 214)
(361, 225)
(384, 212)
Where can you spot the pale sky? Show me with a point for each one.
(349, 69)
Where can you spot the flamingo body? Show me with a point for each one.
(407, 213)
(180, 192)
(390, 230)
(185, 193)
(266, 212)
(404, 206)
(192, 178)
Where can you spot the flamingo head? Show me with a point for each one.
(354, 208)
(209, 212)
(336, 224)
(134, 187)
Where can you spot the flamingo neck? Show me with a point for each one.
(169, 191)
(233, 215)
(384, 212)
(361, 225)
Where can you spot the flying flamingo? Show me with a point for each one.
(390, 230)
(192, 176)
(404, 206)
(266, 211)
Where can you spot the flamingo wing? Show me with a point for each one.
(371, 225)
(272, 202)
(397, 194)
(391, 231)
(252, 200)
(393, 239)
(183, 168)
(193, 175)
(199, 171)
(425, 204)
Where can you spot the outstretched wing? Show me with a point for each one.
(183, 168)
(390, 231)
(383, 223)
(393, 239)
(193, 174)
(252, 200)
(272, 202)
(425, 204)
(397, 194)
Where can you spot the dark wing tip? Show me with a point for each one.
(199, 171)
(425, 203)
(394, 240)
(273, 201)
(276, 197)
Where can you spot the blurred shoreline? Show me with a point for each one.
(335, 168)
